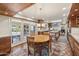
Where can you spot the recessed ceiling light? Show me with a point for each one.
(6, 13)
(64, 8)
(19, 12)
(76, 9)
(72, 14)
(64, 14)
(33, 17)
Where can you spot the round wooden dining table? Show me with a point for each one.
(42, 44)
(41, 38)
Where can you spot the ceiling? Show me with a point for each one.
(46, 11)
(10, 9)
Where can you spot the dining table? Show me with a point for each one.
(41, 38)
(42, 44)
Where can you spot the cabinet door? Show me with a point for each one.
(76, 48)
(71, 41)
(5, 45)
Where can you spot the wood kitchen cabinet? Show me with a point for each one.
(5, 45)
(76, 48)
(77, 21)
(74, 21)
(74, 45)
(74, 15)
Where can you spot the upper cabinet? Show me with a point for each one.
(77, 20)
(74, 15)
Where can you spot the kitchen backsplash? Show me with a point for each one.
(74, 30)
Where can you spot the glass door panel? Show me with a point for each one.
(16, 32)
(26, 30)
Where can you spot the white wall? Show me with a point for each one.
(4, 26)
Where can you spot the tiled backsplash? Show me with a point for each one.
(74, 30)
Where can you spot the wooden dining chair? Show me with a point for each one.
(52, 36)
(50, 43)
(31, 46)
(40, 33)
(37, 49)
(33, 49)
(57, 36)
(45, 33)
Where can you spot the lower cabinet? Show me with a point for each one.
(74, 45)
(5, 45)
(76, 48)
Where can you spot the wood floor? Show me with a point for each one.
(59, 48)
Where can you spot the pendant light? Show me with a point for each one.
(40, 22)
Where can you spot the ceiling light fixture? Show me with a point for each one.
(6, 13)
(64, 14)
(76, 9)
(40, 21)
(33, 17)
(64, 8)
(19, 12)
(72, 14)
